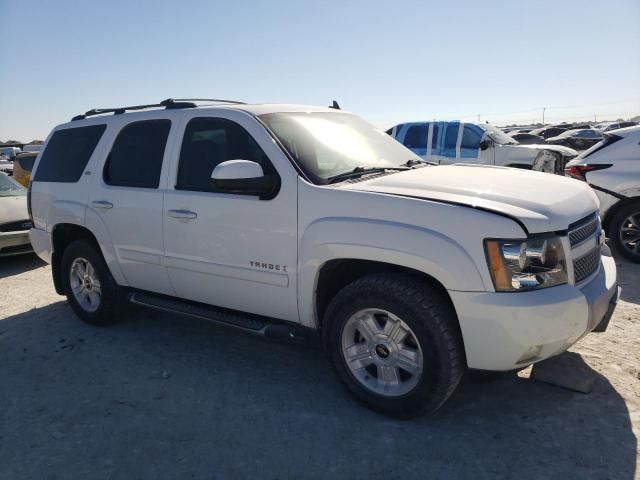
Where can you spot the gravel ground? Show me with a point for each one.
(161, 396)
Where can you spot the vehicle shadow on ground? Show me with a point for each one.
(17, 264)
(161, 396)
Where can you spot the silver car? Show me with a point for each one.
(14, 218)
(612, 168)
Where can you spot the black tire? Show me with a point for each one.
(433, 323)
(616, 226)
(111, 295)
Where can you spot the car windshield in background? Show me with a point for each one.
(10, 188)
(329, 144)
(497, 135)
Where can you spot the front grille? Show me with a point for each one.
(16, 226)
(584, 232)
(586, 265)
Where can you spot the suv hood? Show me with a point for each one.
(542, 202)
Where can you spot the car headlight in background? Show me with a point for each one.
(518, 265)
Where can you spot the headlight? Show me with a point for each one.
(526, 265)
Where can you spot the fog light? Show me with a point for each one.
(530, 355)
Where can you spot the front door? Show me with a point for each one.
(230, 250)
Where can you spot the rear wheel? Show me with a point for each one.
(394, 343)
(90, 289)
(624, 231)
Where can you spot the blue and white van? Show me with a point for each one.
(458, 142)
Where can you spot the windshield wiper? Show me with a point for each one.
(413, 162)
(362, 170)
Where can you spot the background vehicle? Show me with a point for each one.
(548, 132)
(527, 138)
(612, 168)
(10, 152)
(14, 218)
(456, 142)
(281, 218)
(608, 126)
(22, 166)
(580, 139)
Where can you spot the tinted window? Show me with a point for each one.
(208, 142)
(451, 136)
(470, 138)
(136, 156)
(416, 136)
(67, 154)
(26, 161)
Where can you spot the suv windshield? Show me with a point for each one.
(497, 135)
(10, 188)
(329, 144)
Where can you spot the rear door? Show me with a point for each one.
(126, 199)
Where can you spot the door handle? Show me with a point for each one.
(183, 214)
(103, 204)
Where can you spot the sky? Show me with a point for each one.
(390, 62)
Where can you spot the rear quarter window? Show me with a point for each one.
(67, 154)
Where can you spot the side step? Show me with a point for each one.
(255, 324)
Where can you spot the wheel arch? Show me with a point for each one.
(611, 213)
(63, 234)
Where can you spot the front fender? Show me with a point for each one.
(399, 244)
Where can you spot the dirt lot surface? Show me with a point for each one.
(161, 396)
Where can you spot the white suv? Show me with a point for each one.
(612, 168)
(284, 219)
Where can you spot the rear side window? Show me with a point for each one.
(434, 137)
(68, 153)
(208, 142)
(136, 156)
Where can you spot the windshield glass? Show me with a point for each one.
(328, 144)
(9, 187)
(497, 135)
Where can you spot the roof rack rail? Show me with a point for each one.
(169, 103)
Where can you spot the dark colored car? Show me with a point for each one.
(548, 132)
(527, 138)
(579, 139)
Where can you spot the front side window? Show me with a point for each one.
(67, 154)
(136, 156)
(210, 141)
(326, 144)
(470, 138)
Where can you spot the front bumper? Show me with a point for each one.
(14, 243)
(505, 331)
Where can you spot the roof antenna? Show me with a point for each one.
(335, 105)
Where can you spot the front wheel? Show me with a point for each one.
(624, 231)
(395, 343)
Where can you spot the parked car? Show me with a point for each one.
(612, 168)
(548, 132)
(527, 138)
(22, 166)
(580, 139)
(608, 126)
(285, 219)
(14, 218)
(456, 142)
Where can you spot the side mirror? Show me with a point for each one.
(244, 177)
(484, 144)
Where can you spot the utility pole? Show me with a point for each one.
(478, 118)
(543, 109)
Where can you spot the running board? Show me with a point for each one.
(255, 324)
